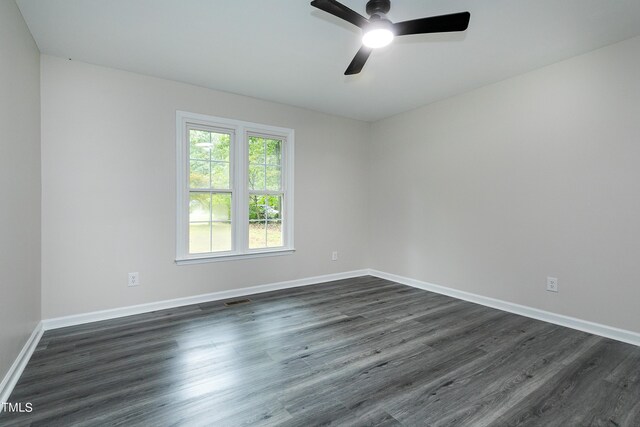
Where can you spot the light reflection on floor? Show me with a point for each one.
(204, 359)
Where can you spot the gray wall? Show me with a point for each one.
(488, 192)
(492, 191)
(108, 205)
(20, 188)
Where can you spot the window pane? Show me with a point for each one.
(265, 217)
(199, 237)
(256, 150)
(221, 236)
(257, 235)
(207, 145)
(199, 141)
(273, 178)
(256, 177)
(199, 174)
(274, 233)
(273, 207)
(219, 175)
(221, 143)
(256, 208)
(273, 151)
(199, 207)
(263, 207)
(221, 207)
(204, 235)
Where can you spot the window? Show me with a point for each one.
(235, 189)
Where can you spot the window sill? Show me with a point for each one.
(233, 257)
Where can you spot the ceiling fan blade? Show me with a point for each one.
(358, 61)
(433, 24)
(341, 11)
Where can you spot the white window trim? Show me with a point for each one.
(240, 210)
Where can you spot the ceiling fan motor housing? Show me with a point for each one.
(378, 7)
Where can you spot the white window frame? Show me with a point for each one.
(239, 188)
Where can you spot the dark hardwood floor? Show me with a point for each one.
(362, 351)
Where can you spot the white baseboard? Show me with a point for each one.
(78, 319)
(546, 316)
(11, 378)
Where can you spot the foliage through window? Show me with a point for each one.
(235, 194)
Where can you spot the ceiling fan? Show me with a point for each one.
(378, 31)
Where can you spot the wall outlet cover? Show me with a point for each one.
(134, 279)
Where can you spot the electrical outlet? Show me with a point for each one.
(552, 284)
(134, 279)
(334, 256)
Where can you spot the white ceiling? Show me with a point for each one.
(286, 51)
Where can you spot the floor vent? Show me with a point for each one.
(237, 302)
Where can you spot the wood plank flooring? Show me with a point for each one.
(361, 351)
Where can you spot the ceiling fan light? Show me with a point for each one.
(378, 34)
(377, 38)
